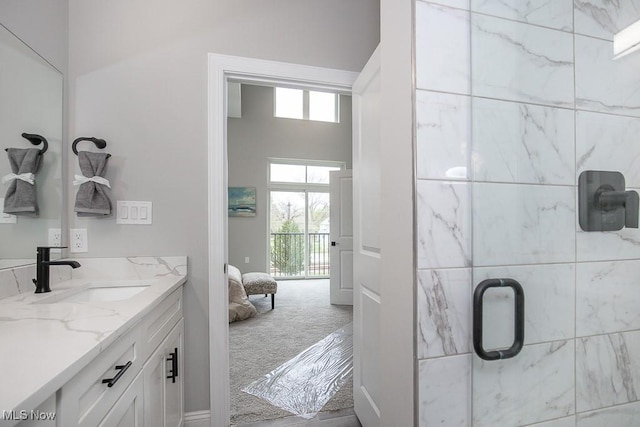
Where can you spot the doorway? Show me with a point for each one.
(223, 68)
(286, 235)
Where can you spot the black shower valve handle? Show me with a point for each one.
(607, 199)
(631, 209)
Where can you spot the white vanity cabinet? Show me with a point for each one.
(163, 382)
(127, 385)
(128, 411)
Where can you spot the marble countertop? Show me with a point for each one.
(45, 345)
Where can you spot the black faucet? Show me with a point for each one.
(43, 262)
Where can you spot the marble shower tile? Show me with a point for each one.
(608, 245)
(444, 312)
(523, 224)
(535, 386)
(514, 142)
(442, 48)
(610, 143)
(560, 422)
(549, 304)
(521, 62)
(607, 297)
(603, 84)
(556, 14)
(607, 370)
(458, 4)
(444, 391)
(444, 224)
(604, 18)
(443, 135)
(619, 416)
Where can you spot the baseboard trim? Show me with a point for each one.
(197, 419)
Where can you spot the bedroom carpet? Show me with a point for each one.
(302, 317)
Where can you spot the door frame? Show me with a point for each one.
(246, 70)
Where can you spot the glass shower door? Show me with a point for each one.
(523, 213)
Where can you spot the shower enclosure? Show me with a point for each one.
(514, 101)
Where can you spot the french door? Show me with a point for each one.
(299, 226)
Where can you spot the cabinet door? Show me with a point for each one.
(163, 382)
(128, 411)
(154, 373)
(86, 399)
(44, 415)
(174, 398)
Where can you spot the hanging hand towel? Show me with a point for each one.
(21, 197)
(92, 198)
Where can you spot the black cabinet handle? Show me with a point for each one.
(518, 340)
(173, 372)
(121, 370)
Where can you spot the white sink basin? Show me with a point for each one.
(98, 292)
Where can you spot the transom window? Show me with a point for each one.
(306, 105)
(301, 173)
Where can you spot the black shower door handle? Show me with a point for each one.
(478, 298)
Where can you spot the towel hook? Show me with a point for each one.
(36, 140)
(100, 143)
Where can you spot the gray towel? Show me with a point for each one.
(92, 198)
(21, 197)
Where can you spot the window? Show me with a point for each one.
(301, 173)
(299, 219)
(306, 105)
(289, 103)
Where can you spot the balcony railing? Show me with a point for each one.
(288, 255)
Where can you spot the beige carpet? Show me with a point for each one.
(302, 317)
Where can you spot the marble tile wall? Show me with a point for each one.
(513, 101)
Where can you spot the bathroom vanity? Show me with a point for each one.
(105, 347)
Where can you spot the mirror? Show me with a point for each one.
(31, 97)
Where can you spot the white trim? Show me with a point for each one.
(221, 69)
(197, 419)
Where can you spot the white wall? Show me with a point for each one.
(43, 25)
(259, 135)
(138, 78)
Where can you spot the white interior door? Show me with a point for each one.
(366, 243)
(341, 236)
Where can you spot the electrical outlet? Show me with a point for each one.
(247, 260)
(55, 239)
(78, 240)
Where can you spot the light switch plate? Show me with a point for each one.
(134, 212)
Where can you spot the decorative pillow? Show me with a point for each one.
(234, 275)
(239, 306)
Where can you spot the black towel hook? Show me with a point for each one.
(36, 140)
(100, 143)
